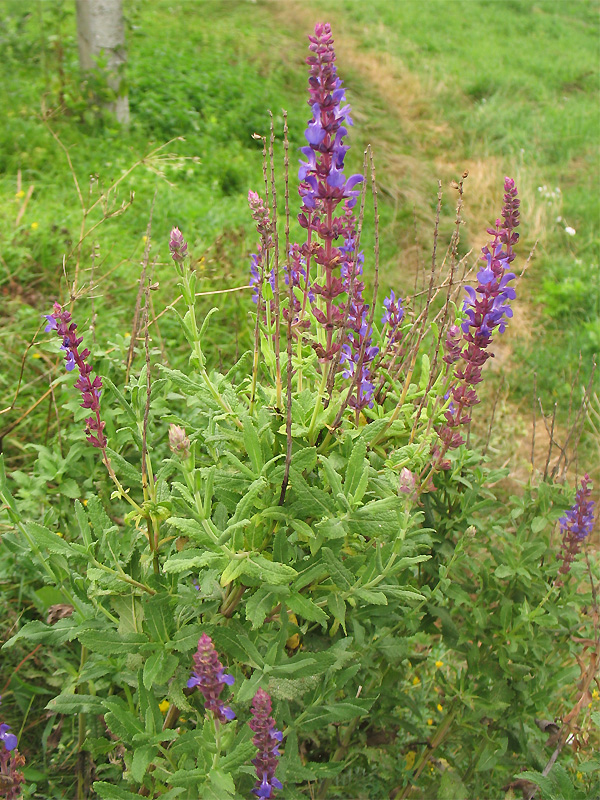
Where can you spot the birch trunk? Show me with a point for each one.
(100, 29)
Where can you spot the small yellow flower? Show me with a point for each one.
(144, 238)
(35, 226)
(595, 694)
(127, 335)
(440, 707)
(164, 706)
(36, 355)
(84, 502)
(430, 721)
(589, 705)
(60, 533)
(416, 681)
(20, 194)
(439, 664)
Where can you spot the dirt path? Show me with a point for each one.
(395, 112)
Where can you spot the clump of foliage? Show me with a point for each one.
(310, 528)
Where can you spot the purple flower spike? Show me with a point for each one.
(60, 321)
(486, 308)
(178, 246)
(576, 524)
(260, 214)
(267, 739)
(209, 677)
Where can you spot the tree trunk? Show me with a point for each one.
(100, 29)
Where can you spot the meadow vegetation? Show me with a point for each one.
(420, 626)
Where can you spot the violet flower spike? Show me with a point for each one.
(267, 739)
(576, 524)
(260, 214)
(393, 315)
(323, 186)
(61, 322)
(209, 676)
(486, 308)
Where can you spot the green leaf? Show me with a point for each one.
(504, 571)
(379, 518)
(152, 668)
(450, 632)
(271, 572)
(306, 608)
(374, 598)
(337, 606)
(247, 503)
(98, 517)
(341, 576)
(120, 720)
(240, 755)
(252, 445)
(258, 606)
(46, 540)
(69, 703)
(222, 782)
(543, 781)
(83, 523)
(129, 412)
(194, 559)
(538, 524)
(194, 530)
(159, 620)
(110, 642)
(355, 469)
(107, 791)
(142, 758)
(125, 471)
(309, 501)
(334, 480)
(451, 787)
(304, 665)
(490, 755)
(237, 645)
(343, 711)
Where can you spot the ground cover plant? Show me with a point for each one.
(303, 531)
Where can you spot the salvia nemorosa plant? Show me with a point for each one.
(288, 530)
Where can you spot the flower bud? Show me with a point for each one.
(178, 441)
(178, 246)
(407, 481)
